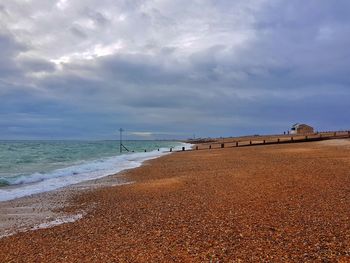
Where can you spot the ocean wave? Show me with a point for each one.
(4, 182)
(25, 185)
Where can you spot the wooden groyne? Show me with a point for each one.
(267, 140)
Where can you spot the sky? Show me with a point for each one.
(164, 69)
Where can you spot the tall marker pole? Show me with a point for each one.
(120, 140)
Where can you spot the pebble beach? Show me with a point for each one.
(270, 203)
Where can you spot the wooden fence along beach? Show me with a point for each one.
(265, 140)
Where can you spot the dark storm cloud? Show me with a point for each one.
(229, 67)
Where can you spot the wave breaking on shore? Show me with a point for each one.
(35, 183)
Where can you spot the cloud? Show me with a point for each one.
(10, 48)
(209, 67)
(35, 65)
(142, 134)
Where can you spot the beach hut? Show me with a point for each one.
(301, 129)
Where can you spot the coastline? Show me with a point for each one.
(274, 202)
(51, 208)
(75, 173)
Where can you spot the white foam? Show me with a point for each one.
(59, 221)
(38, 183)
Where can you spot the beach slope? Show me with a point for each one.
(274, 203)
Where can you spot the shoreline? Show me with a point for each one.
(46, 209)
(274, 202)
(37, 182)
(34, 211)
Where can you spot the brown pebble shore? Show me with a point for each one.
(273, 203)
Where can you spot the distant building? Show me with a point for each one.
(301, 129)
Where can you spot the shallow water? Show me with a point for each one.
(29, 167)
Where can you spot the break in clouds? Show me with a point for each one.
(171, 69)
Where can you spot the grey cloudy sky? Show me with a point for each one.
(172, 68)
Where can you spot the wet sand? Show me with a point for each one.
(50, 208)
(272, 203)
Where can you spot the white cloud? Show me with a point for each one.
(156, 63)
(62, 4)
(142, 134)
(136, 25)
(96, 51)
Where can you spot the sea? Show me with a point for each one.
(31, 167)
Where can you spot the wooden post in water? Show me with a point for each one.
(278, 140)
(183, 148)
(171, 149)
(197, 147)
(209, 146)
(121, 145)
(263, 141)
(237, 142)
(222, 145)
(250, 142)
(120, 140)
